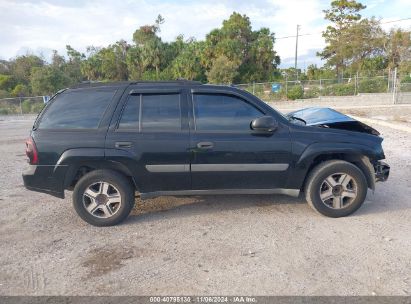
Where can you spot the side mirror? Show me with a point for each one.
(264, 124)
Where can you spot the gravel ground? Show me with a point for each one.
(257, 245)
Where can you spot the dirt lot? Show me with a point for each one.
(256, 245)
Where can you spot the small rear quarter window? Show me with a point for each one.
(77, 109)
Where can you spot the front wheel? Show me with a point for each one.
(103, 197)
(336, 188)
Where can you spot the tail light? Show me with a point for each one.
(31, 152)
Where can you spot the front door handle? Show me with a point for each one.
(205, 145)
(123, 144)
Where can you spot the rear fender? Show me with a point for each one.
(93, 158)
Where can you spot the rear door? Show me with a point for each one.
(226, 154)
(149, 135)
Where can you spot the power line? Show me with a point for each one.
(299, 35)
(398, 20)
(309, 34)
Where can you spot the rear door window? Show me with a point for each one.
(77, 109)
(161, 112)
(152, 112)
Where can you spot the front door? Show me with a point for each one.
(226, 153)
(150, 137)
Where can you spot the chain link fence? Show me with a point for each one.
(307, 89)
(403, 94)
(22, 105)
(269, 91)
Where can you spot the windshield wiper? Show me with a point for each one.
(292, 117)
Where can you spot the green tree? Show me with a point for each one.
(223, 71)
(48, 80)
(252, 52)
(7, 82)
(109, 63)
(91, 66)
(364, 40)
(73, 65)
(150, 44)
(187, 64)
(22, 67)
(5, 67)
(262, 60)
(113, 61)
(342, 14)
(20, 90)
(233, 52)
(134, 63)
(398, 49)
(57, 61)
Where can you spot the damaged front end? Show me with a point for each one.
(382, 171)
(329, 118)
(377, 170)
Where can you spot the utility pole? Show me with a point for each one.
(296, 50)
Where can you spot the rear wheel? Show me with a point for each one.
(336, 188)
(103, 197)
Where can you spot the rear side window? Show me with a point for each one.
(157, 112)
(220, 112)
(77, 109)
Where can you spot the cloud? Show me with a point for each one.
(48, 25)
(52, 24)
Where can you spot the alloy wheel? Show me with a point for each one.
(102, 199)
(338, 190)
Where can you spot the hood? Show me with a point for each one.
(329, 118)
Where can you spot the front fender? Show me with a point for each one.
(355, 153)
(316, 149)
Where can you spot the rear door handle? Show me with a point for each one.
(123, 144)
(205, 145)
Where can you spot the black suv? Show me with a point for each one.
(108, 141)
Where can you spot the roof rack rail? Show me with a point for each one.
(178, 81)
(93, 83)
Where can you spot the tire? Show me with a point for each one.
(336, 188)
(103, 198)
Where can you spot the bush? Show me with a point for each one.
(406, 79)
(31, 107)
(312, 92)
(26, 106)
(376, 85)
(20, 90)
(340, 89)
(5, 111)
(7, 82)
(4, 94)
(37, 107)
(296, 92)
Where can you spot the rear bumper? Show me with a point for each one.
(382, 171)
(35, 178)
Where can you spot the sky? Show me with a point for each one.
(30, 26)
